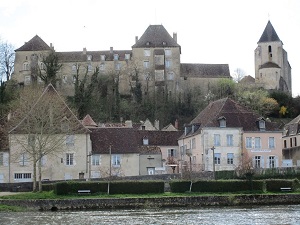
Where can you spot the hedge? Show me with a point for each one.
(65, 188)
(274, 185)
(136, 187)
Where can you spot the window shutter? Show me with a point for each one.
(268, 163)
(5, 158)
(276, 161)
(262, 162)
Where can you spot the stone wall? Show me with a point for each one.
(122, 203)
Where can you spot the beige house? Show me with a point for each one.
(219, 139)
(154, 61)
(291, 143)
(53, 139)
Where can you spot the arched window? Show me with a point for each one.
(270, 49)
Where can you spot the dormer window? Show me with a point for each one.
(102, 57)
(164, 43)
(89, 57)
(127, 56)
(116, 57)
(262, 124)
(222, 121)
(145, 141)
(147, 43)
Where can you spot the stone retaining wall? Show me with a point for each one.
(119, 203)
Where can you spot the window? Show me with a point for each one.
(222, 122)
(284, 143)
(116, 57)
(257, 161)
(217, 141)
(229, 158)
(31, 140)
(117, 66)
(96, 160)
(70, 159)
(170, 76)
(291, 142)
(65, 79)
(272, 162)
(271, 142)
(26, 66)
(217, 158)
(90, 67)
(42, 66)
(193, 143)
(1, 158)
(168, 63)
(74, 67)
(183, 150)
(22, 176)
(102, 66)
(248, 142)
(168, 52)
(159, 75)
(257, 142)
(145, 141)
(172, 153)
(270, 48)
(116, 160)
(147, 52)
(127, 56)
(229, 140)
(23, 159)
(27, 80)
(262, 124)
(70, 140)
(102, 57)
(146, 64)
(295, 141)
(89, 57)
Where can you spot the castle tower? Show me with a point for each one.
(272, 69)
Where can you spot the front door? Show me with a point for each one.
(150, 170)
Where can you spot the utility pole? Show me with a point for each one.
(214, 170)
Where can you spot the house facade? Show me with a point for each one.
(219, 139)
(153, 60)
(291, 143)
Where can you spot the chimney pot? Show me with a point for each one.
(111, 50)
(175, 36)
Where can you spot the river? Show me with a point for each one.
(283, 214)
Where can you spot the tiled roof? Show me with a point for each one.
(247, 80)
(269, 34)
(159, 138)
(204, 70)
(155, 36)
(146, 149)
(293, 127)
(35, 44)
(235, 114)
(269, 65)
(121, 140)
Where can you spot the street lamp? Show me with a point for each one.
(214, 172)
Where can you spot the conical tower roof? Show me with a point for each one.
(269, 34)
(35, 44)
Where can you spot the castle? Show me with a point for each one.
(154, 61)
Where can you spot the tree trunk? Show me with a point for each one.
(34, 188)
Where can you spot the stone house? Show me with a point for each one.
(65, 141)
(154, 60)
(224, 133)
(291, 143)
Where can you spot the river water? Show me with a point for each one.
(287, 214)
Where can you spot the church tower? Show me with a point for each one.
(272, 69)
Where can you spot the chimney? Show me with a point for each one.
(136, 39)
(111, 50)
(156, 124)
(175, 36)
(128, 123)
(51, 46)
(84, 51)
(176, 124)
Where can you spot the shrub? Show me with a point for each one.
(274, 185)
(180, 186)
(48, 187)
(136, 187)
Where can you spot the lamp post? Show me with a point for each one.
(214, 172)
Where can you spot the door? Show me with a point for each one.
(151, 170)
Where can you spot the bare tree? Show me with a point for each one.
(7, 59)
(43, 129)
(238, 74)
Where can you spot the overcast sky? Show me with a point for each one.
(215, 31)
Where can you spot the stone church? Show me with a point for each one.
(154, 59)
(272, 68)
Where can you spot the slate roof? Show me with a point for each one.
(63, 114)
(35, 44)
(146, 149)
(269, 34)
(247, 80)
(155, 36)
(129, 140)
(293, 127)
(235, 114)
(204, 70)
(78, 56)
(269, 65)
(88, 121)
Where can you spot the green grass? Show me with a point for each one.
(8, 208)
(51, 195)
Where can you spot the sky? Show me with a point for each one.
(214, 31)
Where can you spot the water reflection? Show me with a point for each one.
(215, 215)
